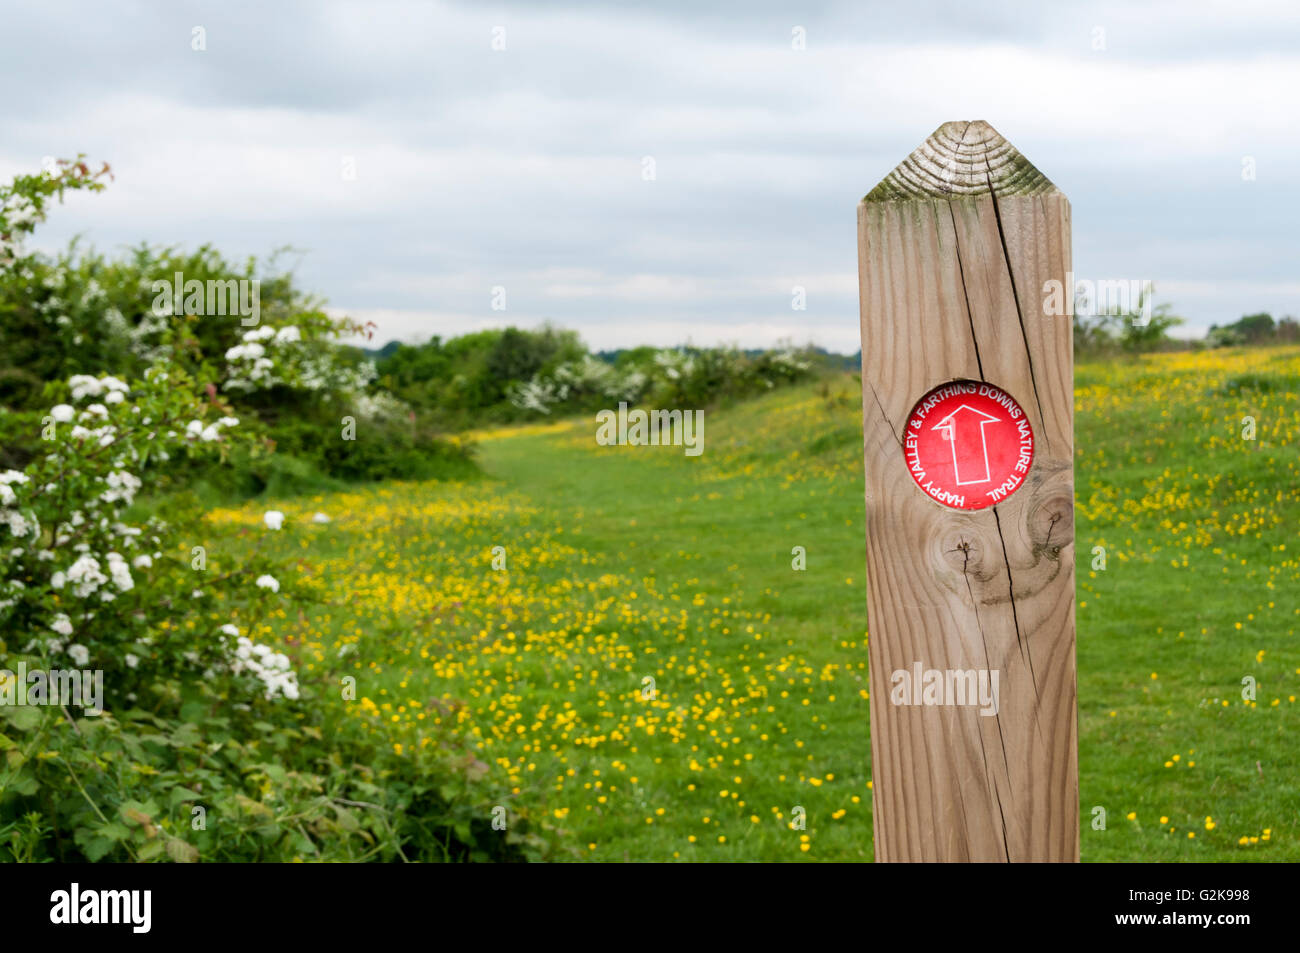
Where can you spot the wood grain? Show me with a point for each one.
(954, 248)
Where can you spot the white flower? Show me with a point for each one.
(14, 476)
(7, 495)
(62, 624)
(62, 413)
(320, 518)
(132, 660)
(58, 580)
(18, 526)
(114, 397)
(268, 582)
(79, 653)
(274, 519)
(85, 575)
(83, 385)
(272, 668)
(288, 334)
(142, 562)
(120, 572)
(230, 629)
(241, 351)
(210, 433)
(122, 486)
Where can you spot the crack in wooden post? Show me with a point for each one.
(966, 576)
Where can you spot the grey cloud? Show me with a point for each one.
(479, 168)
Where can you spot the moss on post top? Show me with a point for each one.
(960, 160)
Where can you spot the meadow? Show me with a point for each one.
(642, 670)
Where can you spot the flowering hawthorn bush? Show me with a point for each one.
(268, 357)
(202, 743)
(671, 377)
(83, 586)
(24, 201)
(86, 582)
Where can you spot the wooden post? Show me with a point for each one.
(970, 561)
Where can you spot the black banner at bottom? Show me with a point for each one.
(1223, 903)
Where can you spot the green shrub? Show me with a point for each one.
(187, 775)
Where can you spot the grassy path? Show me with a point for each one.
(765, 664)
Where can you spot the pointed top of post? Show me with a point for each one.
(959, 160)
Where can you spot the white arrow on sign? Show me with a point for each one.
(971, 450)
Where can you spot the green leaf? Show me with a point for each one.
(97, 848)
(185, 736)
(23, 717)
(179, 794)
(114, 831)
(181, 851)
(192, 711)
(133, 812)
(303, 845)
(347, 820)
(25, 784)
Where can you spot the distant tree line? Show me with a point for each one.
(1255, 329)
(513, 374)
(1142, 328)
(1134, 330)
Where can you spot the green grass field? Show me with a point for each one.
(624, 564)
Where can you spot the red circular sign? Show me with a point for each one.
(968, 445)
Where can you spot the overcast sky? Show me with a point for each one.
(524, 167)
